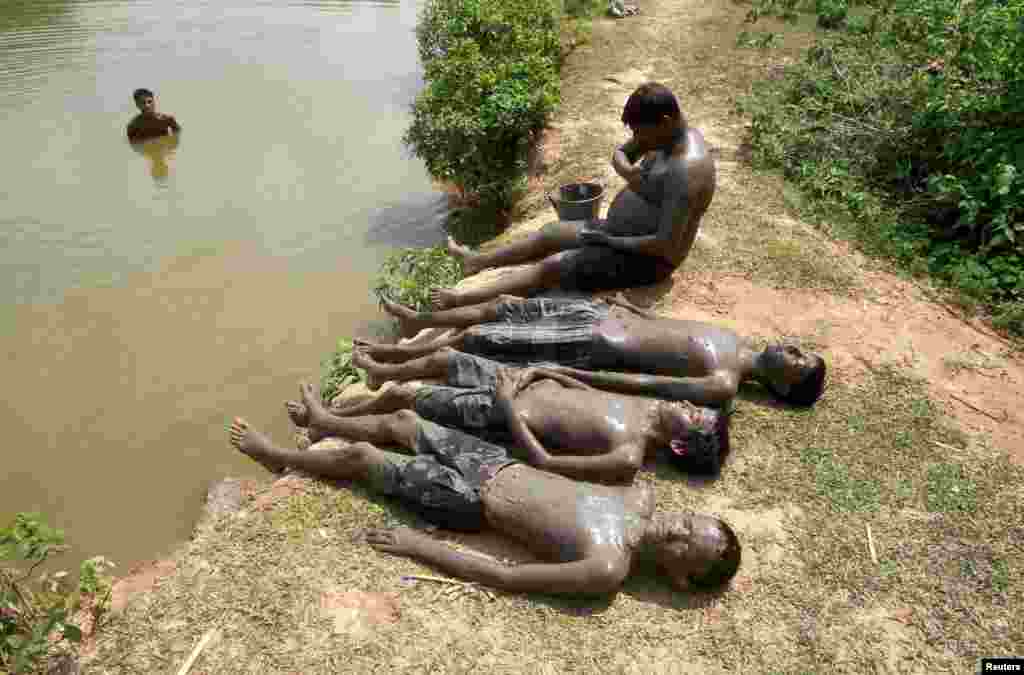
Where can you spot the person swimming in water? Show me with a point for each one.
(651, 224)
(149, 123)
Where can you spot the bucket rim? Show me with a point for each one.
(556, 193)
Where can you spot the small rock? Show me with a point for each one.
(63, 664)
(356, 612)
(222, 498)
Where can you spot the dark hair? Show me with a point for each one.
(723, 569)
(705, 449)
(808, 390)
(141, 93)
(649, 103)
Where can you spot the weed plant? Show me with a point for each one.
(908, 122)
(408, 275)
(38, 612)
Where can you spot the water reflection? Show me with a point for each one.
(22, 14)
(149, 315)
(158, 153)
(418, 220)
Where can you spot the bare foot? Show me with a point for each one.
(443, 298)
(361, 359)
(299, 414)
(408, 317)
(470, 265)
(254, 444)
(315, 410)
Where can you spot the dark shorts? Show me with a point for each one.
(600, 268)
(539, 331)
(468, 400)
(442, 484)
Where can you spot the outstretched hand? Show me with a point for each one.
(396, 541)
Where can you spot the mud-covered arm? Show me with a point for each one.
(620, 300)
(618, 466)
(712, 390)
(673, 210)
(173, 123)
(529, 375)
(624, 161)
(590, 576)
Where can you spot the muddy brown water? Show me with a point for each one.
(147, 296)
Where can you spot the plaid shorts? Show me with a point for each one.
(538, 331)
(442, 482)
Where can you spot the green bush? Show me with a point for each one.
(338, 371)
(36, 611)
(585, 8)
(831, 13)
(491, 80)
(408, 275)
(914, 109)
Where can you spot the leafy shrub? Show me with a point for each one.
(759, 40)
(408, 275)
(36, 611)
(491, 80)
(338, 371)
(914, 109)
(584, 8)
(831, 13)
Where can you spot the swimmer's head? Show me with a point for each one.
(694, 550)
(652, 113)
(792, 375)
(697, 438)
(145, 100)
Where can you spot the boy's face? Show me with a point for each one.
(146, 104)
(651, 136)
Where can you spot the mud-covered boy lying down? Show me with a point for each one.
(668, 358)
(592, 535)
(564, 426)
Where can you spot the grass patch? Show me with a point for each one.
(792, 264)
(949, 489)
(835, 484)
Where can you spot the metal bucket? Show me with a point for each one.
(578, 201)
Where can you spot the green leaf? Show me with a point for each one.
(72, 633)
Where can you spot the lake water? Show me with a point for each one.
(148, 296)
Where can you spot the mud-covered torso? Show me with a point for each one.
(638, 211)
(565, 520)
(144, 127)
(580, 422)
(626, 341)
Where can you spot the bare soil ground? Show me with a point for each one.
(882, 528)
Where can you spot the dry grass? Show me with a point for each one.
(801, 489)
